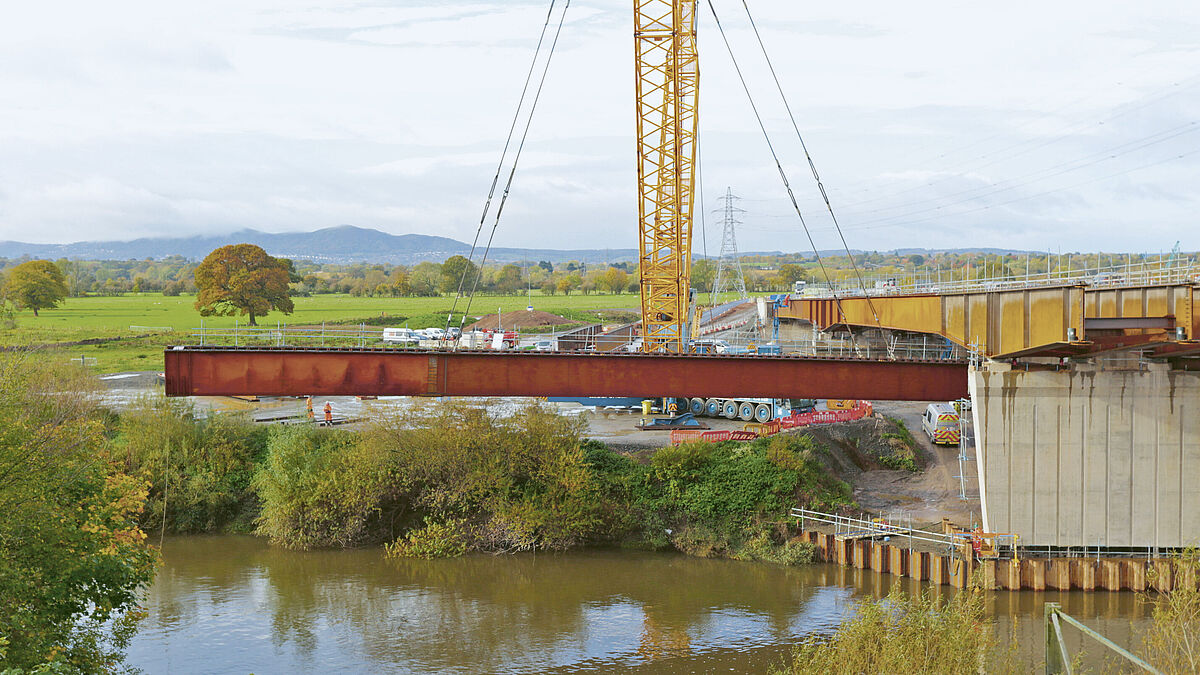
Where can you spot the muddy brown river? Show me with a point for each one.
(234, 604)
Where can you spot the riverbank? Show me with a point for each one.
(442, 479)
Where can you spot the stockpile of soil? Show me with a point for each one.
(521, 318)
(868, 444)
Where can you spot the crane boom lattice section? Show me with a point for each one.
(667, 87)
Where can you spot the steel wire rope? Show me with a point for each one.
(516, 159)
(500, 165)
(811, 165)
(782, 174)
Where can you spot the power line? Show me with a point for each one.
(516, 159)
(987, 190)
(807, 156)
(503, 153)
(1030, 145)
(1033, 196)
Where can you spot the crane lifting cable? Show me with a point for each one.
(513, 170)
(782, 174)
(504, 153)
(807, 156)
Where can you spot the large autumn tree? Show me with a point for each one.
(243, 279)
(37, 284)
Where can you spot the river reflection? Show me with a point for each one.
(234, 604)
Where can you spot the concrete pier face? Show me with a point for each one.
(1086, 456)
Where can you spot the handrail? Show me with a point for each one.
(1141, 273)
(871, 528)
(1058, 660)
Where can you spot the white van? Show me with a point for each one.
(940, 423)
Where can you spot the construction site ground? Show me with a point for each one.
(929, 495)
(925, 496)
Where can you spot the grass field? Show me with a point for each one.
(171, 320)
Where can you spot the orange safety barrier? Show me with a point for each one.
(685, 435)
(753, 430)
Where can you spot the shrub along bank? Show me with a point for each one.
(446, 479)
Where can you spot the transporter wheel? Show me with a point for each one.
(729, 409)
(696, 406)
(762, 413)
(745, 411)
(712, 407)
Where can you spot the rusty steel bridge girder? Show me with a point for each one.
(294, 371)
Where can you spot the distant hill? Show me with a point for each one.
(349, 244)
(343, 244)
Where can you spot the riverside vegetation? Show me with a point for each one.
(443, 480)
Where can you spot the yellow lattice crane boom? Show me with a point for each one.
(668, 76)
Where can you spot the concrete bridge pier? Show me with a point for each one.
(1103, 453)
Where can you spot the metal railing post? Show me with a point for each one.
(1056, 664)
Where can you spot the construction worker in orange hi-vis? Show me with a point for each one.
(328, 413)
(308, 405)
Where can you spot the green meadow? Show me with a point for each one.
(145, 322)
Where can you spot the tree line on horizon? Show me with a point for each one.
(43, 284)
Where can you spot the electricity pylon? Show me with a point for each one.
(729, 266)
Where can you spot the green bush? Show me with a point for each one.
(322, 488)
(436, 540)
(520, 482)
(714, 499)
(908, 634)
(203, 467)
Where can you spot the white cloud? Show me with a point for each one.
(132, 118)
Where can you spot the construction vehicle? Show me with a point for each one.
(760, 410)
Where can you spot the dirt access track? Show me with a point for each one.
(927, 496)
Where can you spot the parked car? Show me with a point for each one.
(544, 346)
(400, 336)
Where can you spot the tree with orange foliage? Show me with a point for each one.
(243, 279)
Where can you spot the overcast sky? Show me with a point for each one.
(1043, 125)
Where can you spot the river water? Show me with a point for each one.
(234, 604)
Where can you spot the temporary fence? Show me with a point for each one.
(753, 430)
(688, 435)
(708, 330)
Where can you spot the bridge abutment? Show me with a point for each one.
(1089, 454)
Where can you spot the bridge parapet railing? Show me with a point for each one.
(1141, 273)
